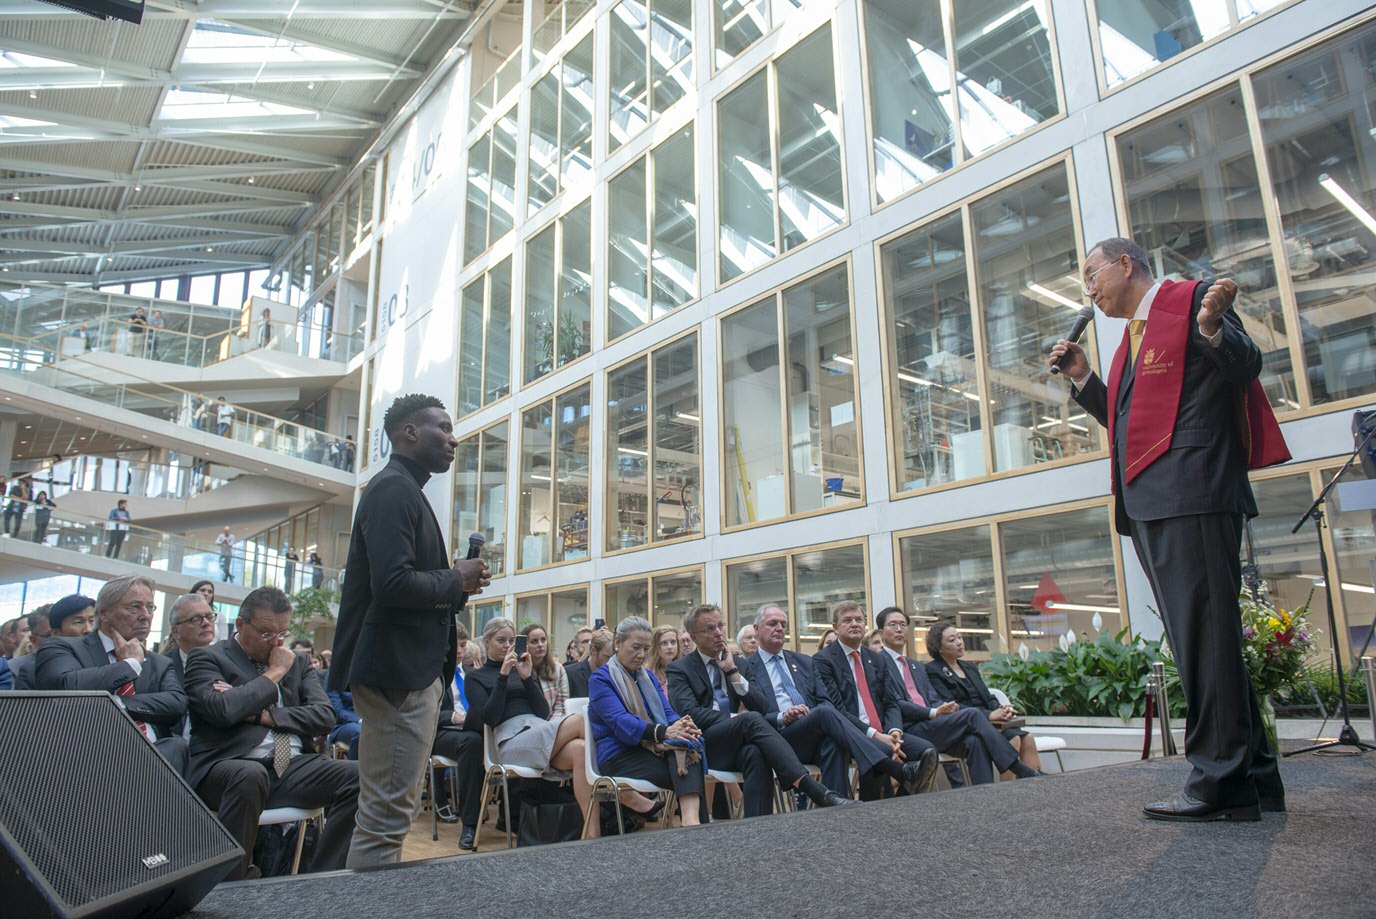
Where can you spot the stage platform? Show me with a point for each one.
(1070, 845)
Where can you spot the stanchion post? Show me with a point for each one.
(1153, 697)
(1369, 671)
(1163, 709)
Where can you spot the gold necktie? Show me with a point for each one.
(1135, 330)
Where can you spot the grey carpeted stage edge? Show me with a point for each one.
(1064, 846)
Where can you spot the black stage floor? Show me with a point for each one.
(1063, 846)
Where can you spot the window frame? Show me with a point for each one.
(794, 627)
(457, 538)
(649, 578)
(520, 467)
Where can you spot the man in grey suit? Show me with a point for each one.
(113, 659)
(192, 626)
(1186, 419)
(40, 628)
(256, 709)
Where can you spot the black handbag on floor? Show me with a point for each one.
(541, 824)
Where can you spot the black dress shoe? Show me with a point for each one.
(831, 799)
(653, 812)
(1186, 809)
(920, 776)
(466, 838)
(1273, 805)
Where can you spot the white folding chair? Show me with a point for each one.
(608, 788)
(497, 774)
(300, 816)
(1044, 743)
(440, 762)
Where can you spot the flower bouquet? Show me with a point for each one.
(1275, 643)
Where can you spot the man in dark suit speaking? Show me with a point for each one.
(394, 648)
(1186, 418)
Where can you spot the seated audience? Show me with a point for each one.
(193, 626)
(554, 682)
(583, 637)
(638, 733)
(205, 589)
(800, 710)
(706, 685)
(255, 711)
(663, 652)
(73, 616)
(875, 641)
(519, 715)
(960, 681)
(462, 741)
(347, 725)
(746, 639)
(858, 684)
(39, 629)
(113, 659)
(963, 732)
(12, 635)
(571, 651)
(826, 638)
(599, 651)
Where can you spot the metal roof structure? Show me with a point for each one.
(200, 140)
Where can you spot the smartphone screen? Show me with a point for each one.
(599, 623)
(520, 645)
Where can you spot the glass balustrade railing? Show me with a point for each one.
(44, 366)
(249, 564)
(75, 322)
(132, 477)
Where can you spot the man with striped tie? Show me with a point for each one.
(114, 659)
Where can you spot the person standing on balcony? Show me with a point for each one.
(118, 526)
(349, 452)
(199, 408)
(224, 417)
(226, 543)
(42, 512)
(317, 570)
(138, 325)
(265, 336)
(18, 503)
(291, 558)
(155, 325)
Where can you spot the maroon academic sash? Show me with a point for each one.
(1159, 378)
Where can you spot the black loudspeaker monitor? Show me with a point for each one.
(93, 821)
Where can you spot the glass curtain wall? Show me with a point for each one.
(480, 480)
(779, 157)
(806, 584)
(561, 612)
(558, 296)
(1138, 35)
(948, 575)
(654, 447)
(663, 597)
(653, 236)
(561, 107)
(553, 513)
(738, 24)
(790, 403)
(651, 62)
(490, 197)
(484, 370)
(997, 54)
(969, 330)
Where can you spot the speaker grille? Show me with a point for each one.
(90, 803)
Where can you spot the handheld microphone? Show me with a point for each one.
(475, 548)
(1082, 320)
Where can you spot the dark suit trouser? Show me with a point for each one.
(825, 737)
(969, 734)
(241, 789)
(873, 787)
(748, 745)
(466, 749)
(1192, 563)
(175, 751)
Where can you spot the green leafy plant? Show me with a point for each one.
(1106, 677)
(1297, 698)
(312, 603)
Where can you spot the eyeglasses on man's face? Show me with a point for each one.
(202, 619)
(269, 636)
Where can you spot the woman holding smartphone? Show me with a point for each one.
(506, 695)
(554, 682)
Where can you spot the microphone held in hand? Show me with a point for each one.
(475, 548)
(1082, 320)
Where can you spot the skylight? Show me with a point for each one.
(217, 43)
(15, 59)
(199, 103)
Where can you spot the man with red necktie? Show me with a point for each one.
(1186, 418)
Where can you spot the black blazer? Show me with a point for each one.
(690, 692)
(396, 616)
(578, 673)
(174, 657)
(805, 680)
(912, 712)
(1205, 470)
(82, 664)
(971, 694)
(833, 666)
(22, 667)
(220, 725)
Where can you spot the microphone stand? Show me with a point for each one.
(1347, 737)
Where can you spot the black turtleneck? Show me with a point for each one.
(497, 698)
(415, 469)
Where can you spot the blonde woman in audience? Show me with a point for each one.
(827, 638)
(663, 651)
(875, 641)
(554, 682)
(505, 695)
